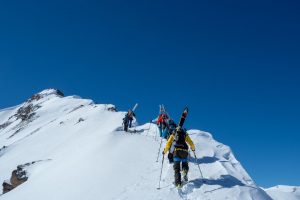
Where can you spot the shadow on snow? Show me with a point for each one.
(205, 159)
(225, 181)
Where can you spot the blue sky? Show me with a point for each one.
(236, 65)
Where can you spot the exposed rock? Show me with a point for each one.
(80, 120)
(18, 177)
(2, 150)
(6, 187)
(35, 97)
(76, 108)
(112, 109)
(4, 147)
(25, 112)
(4, 125)
(60, 93)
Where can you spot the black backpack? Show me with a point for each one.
(181, 148)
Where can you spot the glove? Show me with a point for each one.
(163, 153)
(193, 150)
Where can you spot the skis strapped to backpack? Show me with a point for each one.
(181, 148)
(183, 116)
(135, 106)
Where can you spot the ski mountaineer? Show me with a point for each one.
(171, 127)
(163, 125)
(180, 138)
(127, 120)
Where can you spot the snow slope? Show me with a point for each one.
(284, 192)
(82, 154)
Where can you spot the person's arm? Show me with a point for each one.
(168, 144)
(190, 142)
(159, 119)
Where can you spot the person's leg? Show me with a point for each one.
(185, 170)
(176, 167)
(170, 157)
(130, 123)
(160, 130)
(125, 123)
(164, 133)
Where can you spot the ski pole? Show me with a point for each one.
(159, 150)
(162, 164)
(199, 166)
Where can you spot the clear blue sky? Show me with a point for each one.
(236, 65)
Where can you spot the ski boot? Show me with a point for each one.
(178, 185)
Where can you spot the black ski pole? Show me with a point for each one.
(159, 149)
(198, 166)
(162, 164)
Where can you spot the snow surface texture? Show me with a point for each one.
(83, 154)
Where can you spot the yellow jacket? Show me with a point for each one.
(171, 139)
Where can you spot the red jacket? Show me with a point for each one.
(162, 119)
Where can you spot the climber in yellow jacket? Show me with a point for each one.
(177, 144)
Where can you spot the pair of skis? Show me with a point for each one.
(134, 107)
(183, 117)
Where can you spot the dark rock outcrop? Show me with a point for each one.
(80, 120)
(6, 187)
(3, 150)
(18, 177)
(112, 109)
(25, 113)
(4, 125)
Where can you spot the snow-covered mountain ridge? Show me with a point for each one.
(71, 148)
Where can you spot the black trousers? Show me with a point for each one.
(177, 169)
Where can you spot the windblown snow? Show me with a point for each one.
(74, 149)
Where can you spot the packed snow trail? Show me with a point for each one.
(224, 187)
(83, 154)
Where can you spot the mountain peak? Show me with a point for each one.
(46, 93)
(50, 91)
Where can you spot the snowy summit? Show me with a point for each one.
(54, 147)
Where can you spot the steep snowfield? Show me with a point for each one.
(82, 154)
(284, 192)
